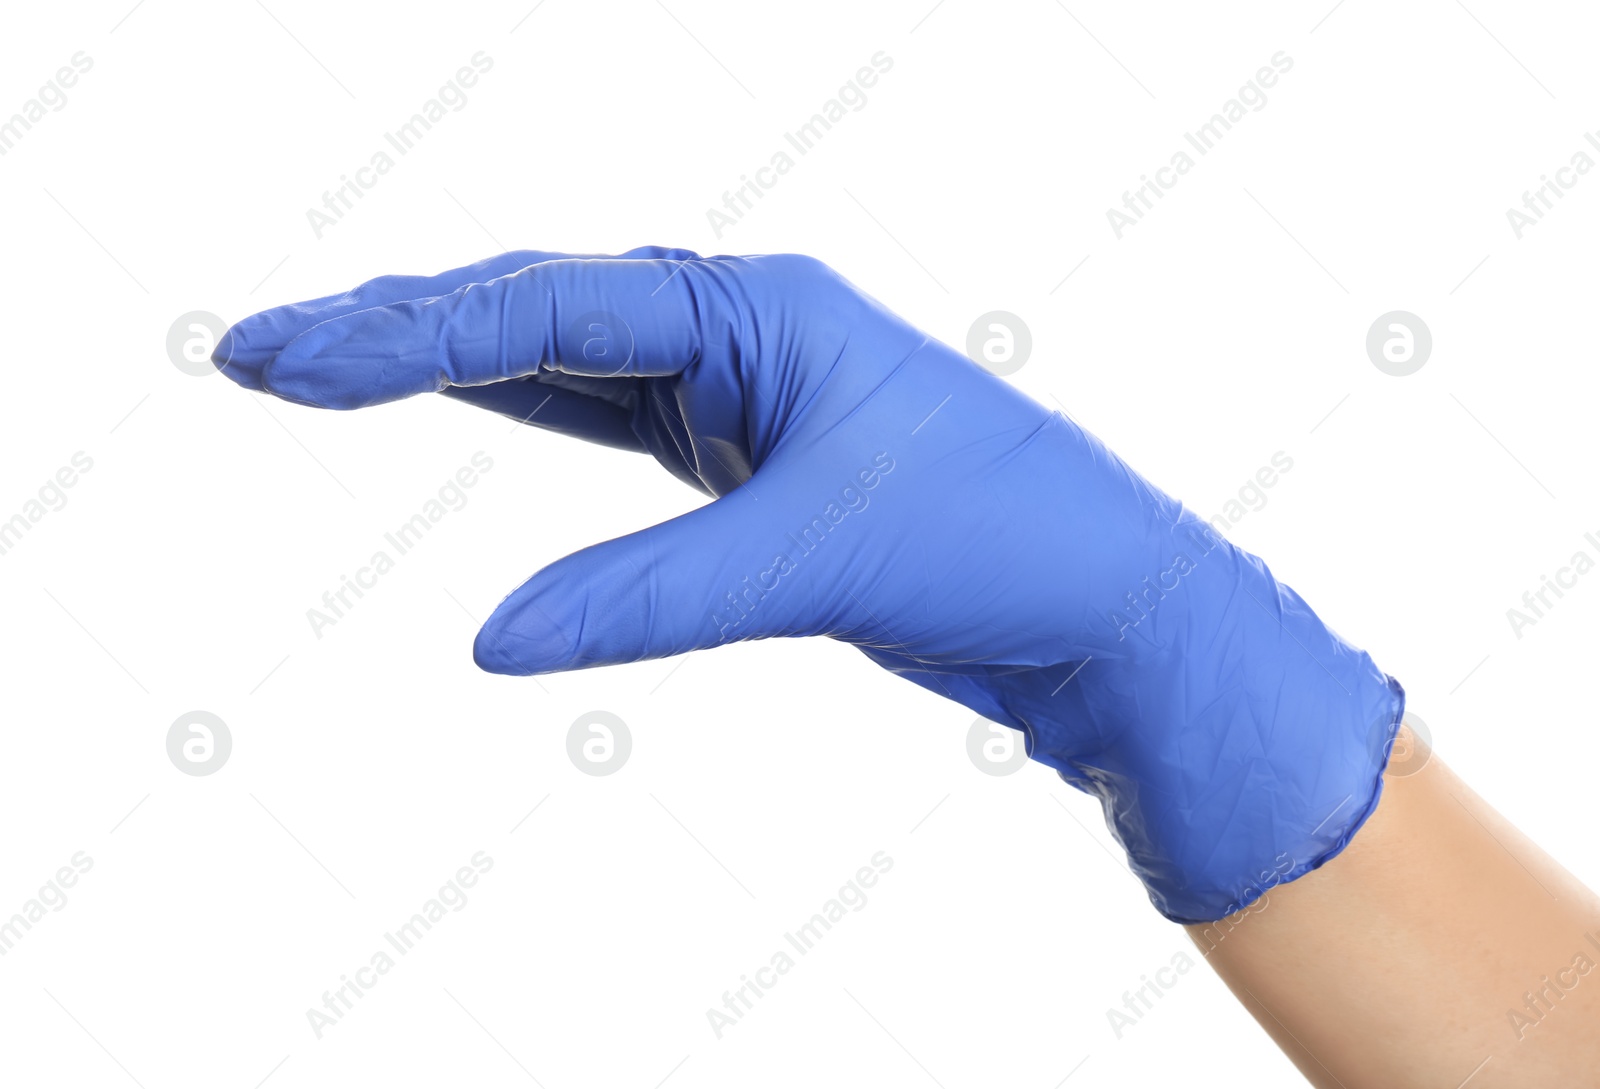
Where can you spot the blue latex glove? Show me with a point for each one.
(878, 487)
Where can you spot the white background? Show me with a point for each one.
(369, 764)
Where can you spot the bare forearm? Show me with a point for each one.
(1442, 945)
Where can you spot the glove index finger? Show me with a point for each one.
(596, 317)
(246, 348)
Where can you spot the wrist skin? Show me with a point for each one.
(1441, 945)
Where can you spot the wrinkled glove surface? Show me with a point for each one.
(876, 486)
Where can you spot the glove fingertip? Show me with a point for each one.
(233, 357)
(520, 640)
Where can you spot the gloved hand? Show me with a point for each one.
(876, 486)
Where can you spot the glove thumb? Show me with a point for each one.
(712, 576)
